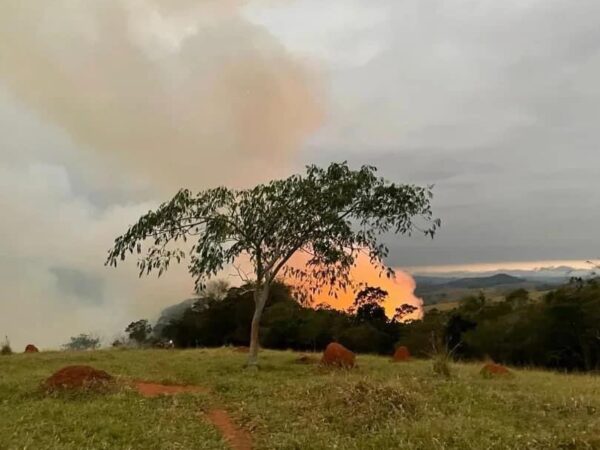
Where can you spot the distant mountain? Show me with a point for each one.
(439, 289)
(485, 282)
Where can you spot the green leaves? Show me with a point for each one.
(330, 215)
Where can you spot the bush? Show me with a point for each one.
(442, 356)
(6, 349)
(83, 342)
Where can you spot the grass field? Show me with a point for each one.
(286, 405)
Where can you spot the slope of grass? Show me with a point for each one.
(290, 406)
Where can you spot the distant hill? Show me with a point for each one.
(485, 282)
(438, 289)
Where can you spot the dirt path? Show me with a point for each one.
(236, 437)
(154, 389)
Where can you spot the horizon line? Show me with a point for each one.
(532, 265)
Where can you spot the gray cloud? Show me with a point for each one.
(496, 103)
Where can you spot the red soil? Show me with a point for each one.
(237, 438)
(337, 355)
(154, 389)
(242, 349)
(401, 354)
(31, 349)
(77, 377)
(492, 370)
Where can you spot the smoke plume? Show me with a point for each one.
(158, 94)
(183, 92)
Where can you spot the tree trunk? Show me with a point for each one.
(261, 294)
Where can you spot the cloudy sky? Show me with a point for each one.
(107, 107)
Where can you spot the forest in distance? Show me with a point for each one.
(557, 331)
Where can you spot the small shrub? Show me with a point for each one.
(442, 356)
(83, 342)
(6, 349)
(441, 365)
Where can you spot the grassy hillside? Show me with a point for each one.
(291, 406)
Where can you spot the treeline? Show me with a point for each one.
(286, 324)
(559, 331)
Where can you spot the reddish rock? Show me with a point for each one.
(494, 370)
(337, 355)
(77, 377)
(31, 349)
(401, 354)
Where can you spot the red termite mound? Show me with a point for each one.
(401, 354)
(77, 377)
(31, 349)
(494, 370)
(337, 355)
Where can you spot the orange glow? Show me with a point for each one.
(400, 289)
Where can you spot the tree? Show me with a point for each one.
(370, 294)
(367, 306)
(83, 342)
(139, 331)
(404, 310)
(330, 215)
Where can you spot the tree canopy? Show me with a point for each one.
(331, 215)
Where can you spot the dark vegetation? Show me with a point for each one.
(560, 331)
(287, 324)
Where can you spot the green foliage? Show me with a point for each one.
(139, 331)
(286, 324)
(329, 214)
(562, 331)
(83, 342)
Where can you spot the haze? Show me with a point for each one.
(107, 107)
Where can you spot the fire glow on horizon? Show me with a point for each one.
(400, 289)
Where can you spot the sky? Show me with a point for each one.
(108, 107)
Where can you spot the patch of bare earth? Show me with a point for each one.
(150, 390)
(236, 437)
